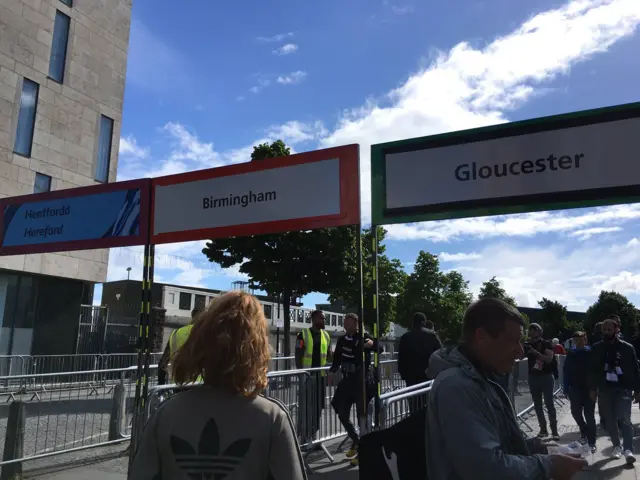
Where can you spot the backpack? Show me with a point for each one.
(397, 452)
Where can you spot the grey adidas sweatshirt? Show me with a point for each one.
(208, 433)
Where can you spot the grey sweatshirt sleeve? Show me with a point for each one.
(146, 462)
(471, 441)
(285, 459)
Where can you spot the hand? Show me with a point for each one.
(594, 395)
(368, 343)
(564, 467)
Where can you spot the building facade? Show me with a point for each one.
(62, 80)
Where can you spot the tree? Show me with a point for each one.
(442, 297)
(285, 265)
(553, 318)
(391, 279)
(612, 303)
(493, 289)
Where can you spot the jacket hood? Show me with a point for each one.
(447, 358)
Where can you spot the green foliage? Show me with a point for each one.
(609, 303)
(391, 279)
(553, 319)
(493, 289)
(291, 264)
(442, 297)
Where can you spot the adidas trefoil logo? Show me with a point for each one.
(207, 463)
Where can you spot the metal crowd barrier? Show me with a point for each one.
(307, 394)
(54, 413)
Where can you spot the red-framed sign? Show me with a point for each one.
(304, 191)
(84, 218)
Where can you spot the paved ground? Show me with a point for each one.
(86, 466)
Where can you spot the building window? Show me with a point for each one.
(69, 3)
(267, 311)
(42, 183)
(200, 302)
(59, 47)
(104, 149)
(26, 118)
(172, 298)
(184, 303)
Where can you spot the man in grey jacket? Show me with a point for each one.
(472, 431)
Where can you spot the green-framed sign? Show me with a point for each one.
(581, 159)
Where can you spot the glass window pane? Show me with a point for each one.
(67, 2)
(59, 47)
(26, 118)
(184, 301)
(42, 183)
(104, 149)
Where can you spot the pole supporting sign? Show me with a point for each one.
(99, 216)
(318, 189)
(580, 159)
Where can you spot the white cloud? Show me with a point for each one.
(401, 9)
(458, 257)
(587, 233)
(296, 132)
(524, 225)
(286, 49)
(468, 87)
(129, 147)
(276, 38)
(574, 274)
(292, 78)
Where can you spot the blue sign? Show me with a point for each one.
(105, 218)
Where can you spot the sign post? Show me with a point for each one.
(581, 159)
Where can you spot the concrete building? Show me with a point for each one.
(122, 301)
(62, 79)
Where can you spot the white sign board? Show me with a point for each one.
(580, 158)
(279, 194)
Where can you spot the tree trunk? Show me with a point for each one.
(286, 310)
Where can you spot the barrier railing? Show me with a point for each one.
(53, 413)
(307, 395)
(15, 365)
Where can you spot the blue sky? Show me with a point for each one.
(205, 84)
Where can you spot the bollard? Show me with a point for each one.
(116, 420)
(14, 441)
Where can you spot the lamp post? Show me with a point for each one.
(128, 272)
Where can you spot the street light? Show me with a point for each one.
(128, 272)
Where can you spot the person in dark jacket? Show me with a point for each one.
(471, 430)
(615, 379)
(576, 388)
(414, 351)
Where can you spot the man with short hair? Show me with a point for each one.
(313, 350)
(576, 388)
(472, 431)
(615, 379)
(350, 387)
(177, 338)
(415, 349)
(540, 361)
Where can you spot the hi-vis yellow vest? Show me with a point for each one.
(177, 339)
(307, 358)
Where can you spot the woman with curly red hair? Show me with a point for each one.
(224, 427)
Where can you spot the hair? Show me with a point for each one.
(228, 346)
(613, 318)
(430, 325)
(315, 313)
(419, 318)
(579, 334)
(535, 326)
(351, 315)
(195, 312)
(490, 314)
(599, 324)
